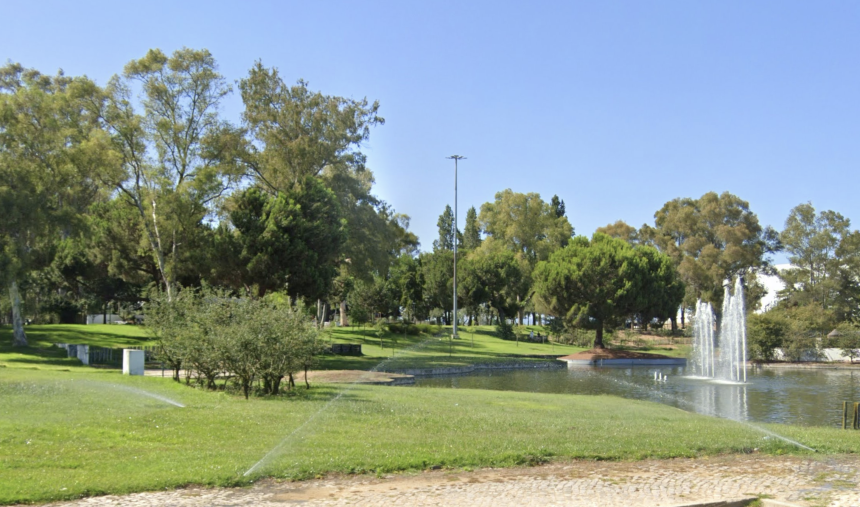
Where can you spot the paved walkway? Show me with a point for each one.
(806, 482)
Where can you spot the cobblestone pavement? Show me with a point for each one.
(827, 481)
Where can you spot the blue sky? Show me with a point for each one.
(617, 107)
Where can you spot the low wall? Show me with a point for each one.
(461, 370)
(669, 361)
(346, 349)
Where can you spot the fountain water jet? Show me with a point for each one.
(730, 363)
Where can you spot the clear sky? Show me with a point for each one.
(617, 107)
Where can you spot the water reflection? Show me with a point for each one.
(789, 396)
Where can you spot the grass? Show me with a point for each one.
(41, 352)
(84, 432)
(477, 344)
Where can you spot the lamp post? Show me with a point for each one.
(456, 159)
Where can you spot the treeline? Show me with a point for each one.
(112, 193)
(717, 238)
(518, 258)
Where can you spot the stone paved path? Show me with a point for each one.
(826, 481)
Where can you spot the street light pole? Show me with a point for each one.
(456, 159)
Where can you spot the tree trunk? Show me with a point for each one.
(19, 338)
(343, 321)
(682, 318)
(307, 384)
(598, 338)
(674, 322)
(519, 311)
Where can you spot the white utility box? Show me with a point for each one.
(132, 362)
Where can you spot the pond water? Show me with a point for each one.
(789, 396)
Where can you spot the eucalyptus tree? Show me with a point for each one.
(295, 133)
(621, 230)
(298, 133)
(825, 257)
(178, 157)
(50, 147)
(711, 239)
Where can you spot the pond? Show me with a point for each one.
(808, 397)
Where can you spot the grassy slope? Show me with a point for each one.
(83, 432)
(42, 354)
(477, 344)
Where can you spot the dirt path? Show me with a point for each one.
(823, 481)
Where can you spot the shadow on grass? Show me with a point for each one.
(44, 336)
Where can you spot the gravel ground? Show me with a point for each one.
(812, 482)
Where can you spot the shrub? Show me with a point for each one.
(505, 331)
(208, 333)
(766, 333)
(410, 329)
(801, 347)
(849, 342)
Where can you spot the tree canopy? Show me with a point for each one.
(597, 284)
(711, 239)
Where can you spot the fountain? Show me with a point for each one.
(726, 358)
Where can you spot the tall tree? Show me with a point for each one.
(471, 232)
(438, 272)
(621, 230)
(527, 226)
(825, 259)
(177, 155)
(408, 280)
(298, 133)
(711, 239)
(447, 231)
(293, 239)
(557, 205)
(493, 276)
(49, 146)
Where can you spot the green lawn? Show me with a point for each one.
(41, 352)
(85, 432)
(477, 344)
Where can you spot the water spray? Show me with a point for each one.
(277, 449)
(706, 411)
(138, 391)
